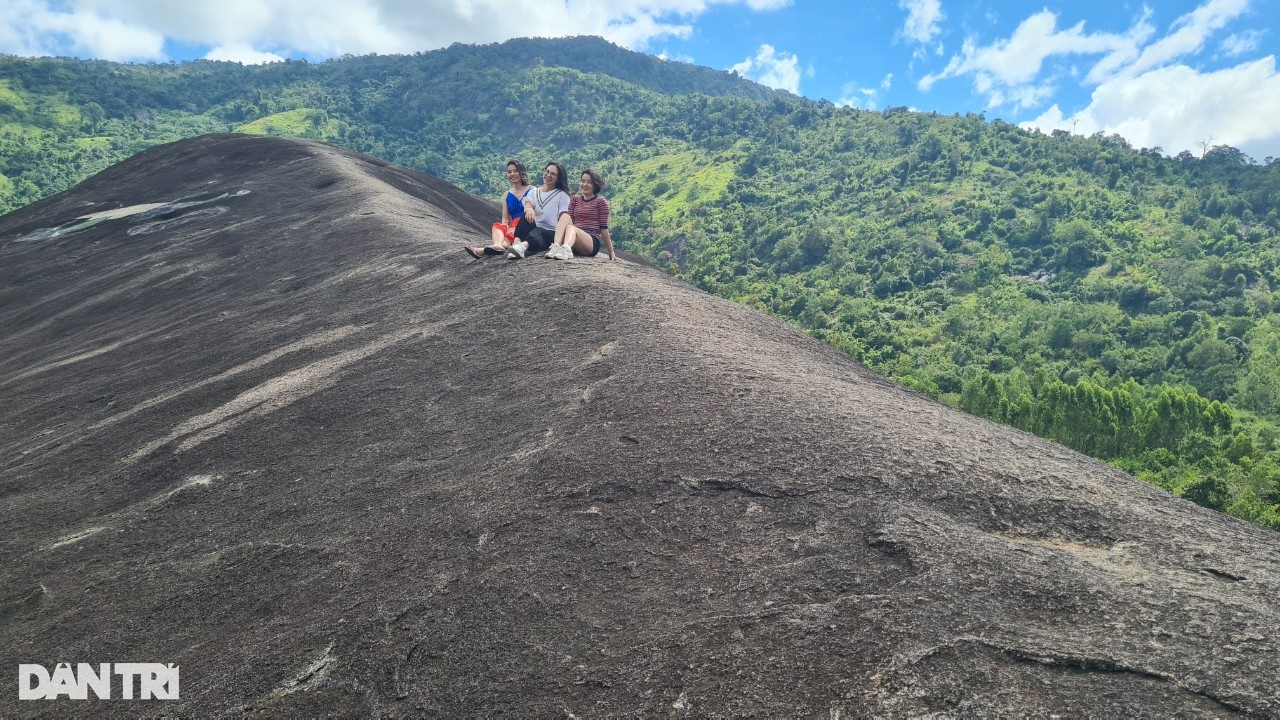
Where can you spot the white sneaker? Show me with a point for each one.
(515, 252)
(553, 252)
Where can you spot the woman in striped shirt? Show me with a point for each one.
(581, 231)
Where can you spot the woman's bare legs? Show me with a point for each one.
(582, 242)
(499, 245)
(562, 228)
(572, 237)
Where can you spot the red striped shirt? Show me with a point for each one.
(589, 215)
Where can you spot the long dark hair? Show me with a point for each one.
(524, 174)
(562, 182)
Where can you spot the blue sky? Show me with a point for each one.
(1179, 75)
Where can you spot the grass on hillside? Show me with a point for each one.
(303, 122)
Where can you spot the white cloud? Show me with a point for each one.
(34, 27)
(136, 29)
(1019, 59)
(1127, 51)
(853, 96)
(924, 20)
(1177, 108)
(1239, 44)
(769, 67)
(1145, 87)
(678, 57)
(242, 54)
(1009, 68)
(1022, 97)
(1189, 34)
(860, 97)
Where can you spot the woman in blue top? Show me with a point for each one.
(504, 232)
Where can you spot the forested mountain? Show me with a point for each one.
(1110, 298)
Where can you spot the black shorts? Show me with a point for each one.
(595, 247)
(539, 239)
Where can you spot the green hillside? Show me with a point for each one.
(1110, 298)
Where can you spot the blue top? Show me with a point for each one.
(515, 205)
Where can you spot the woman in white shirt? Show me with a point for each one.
(543, 207)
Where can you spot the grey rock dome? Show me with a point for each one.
(262, 418)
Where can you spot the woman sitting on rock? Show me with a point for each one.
(580, 232)
(512, 210)
(542, 210)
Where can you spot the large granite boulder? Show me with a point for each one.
(263, 419)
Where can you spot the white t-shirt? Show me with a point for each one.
(548, 206)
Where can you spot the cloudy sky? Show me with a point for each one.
(1177, 74)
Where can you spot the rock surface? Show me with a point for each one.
(291, 438)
